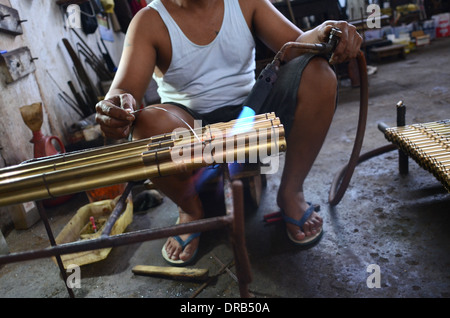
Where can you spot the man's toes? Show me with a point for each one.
(186, 254)
(308, 228)
(299, 235)
(172, 249)
(296, 233)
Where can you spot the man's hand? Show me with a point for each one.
(349, 43)
(113, 115)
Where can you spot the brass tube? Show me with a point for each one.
(428, 147)
(58, 164)
(438, 153)
(206, 135)
(135, 168)
(220, 125)
(422, 137)
(72, 175)
(430, 134)
(60, 186)
(419, 128)
(428, 143)
(79, 158)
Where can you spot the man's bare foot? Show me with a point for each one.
(294, 206)
(173, 247)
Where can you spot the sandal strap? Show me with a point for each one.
(187, 241)
(303, 220)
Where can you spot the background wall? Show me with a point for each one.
(42, 34)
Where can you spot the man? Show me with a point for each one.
(201, 54)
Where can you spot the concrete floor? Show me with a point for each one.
(399, 223)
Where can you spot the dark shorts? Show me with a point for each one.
(282, 99)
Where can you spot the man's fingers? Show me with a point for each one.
(349, 44)
(109, 121)
(105, 107)
(113, 115)
(127, 102)
(116, 133)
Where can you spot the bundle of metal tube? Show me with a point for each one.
(428, 144)
(157, 156)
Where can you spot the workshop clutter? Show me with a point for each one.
(84, 130)
(414, 34)
(406, 28)
(442, 24)
(87, 224)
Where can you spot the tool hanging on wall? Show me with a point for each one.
(107, 57)
(103, 67)
(89, 90)
(66, 97)
(95, 63)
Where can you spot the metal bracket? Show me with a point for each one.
(17, 64)
(10, 21)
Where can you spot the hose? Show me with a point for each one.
(342, 178)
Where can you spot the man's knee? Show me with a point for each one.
(319, 78)
(160, 119)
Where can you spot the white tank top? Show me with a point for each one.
(206, 77)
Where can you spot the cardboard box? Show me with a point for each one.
(420, 38)
(429, 28)
(24, 215)
(442, 23)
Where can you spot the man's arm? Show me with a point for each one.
(132, 78)
(275, 30)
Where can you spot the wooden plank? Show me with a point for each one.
(180, 273)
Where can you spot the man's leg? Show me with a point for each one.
(179, 188)
(316, 102)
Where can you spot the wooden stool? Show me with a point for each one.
(388, 50)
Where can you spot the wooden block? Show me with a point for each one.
(10, 22)
(389, 50)
(17, 64)
(180, 273)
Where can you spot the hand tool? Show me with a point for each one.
(268, 75)
(65, 97)
(89, 88)
(107, 57)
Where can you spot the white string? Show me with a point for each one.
(173, 114)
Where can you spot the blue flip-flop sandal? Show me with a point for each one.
(183, 244)
(309, 240)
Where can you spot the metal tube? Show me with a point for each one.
(202, 225)
(403, 164)
(118, 209)
(220, 125)
(65, 160)
(206, 134)
(79, 158)
(136, 168)
(51, 238)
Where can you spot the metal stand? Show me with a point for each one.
(233, 220)
(403, 164)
